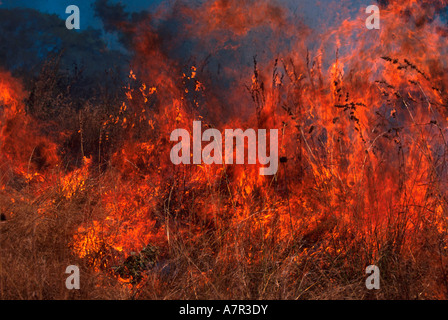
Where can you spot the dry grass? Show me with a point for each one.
(262, 244)
(35, 251)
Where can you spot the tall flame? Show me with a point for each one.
(362, 119)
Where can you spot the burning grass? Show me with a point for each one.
(361, 181)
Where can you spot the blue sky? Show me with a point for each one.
(85, 6)
(309, 10)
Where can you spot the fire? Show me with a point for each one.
(361, 118)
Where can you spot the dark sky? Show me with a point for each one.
(310, 11)
(87, 16)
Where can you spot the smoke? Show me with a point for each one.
(223, 38)
(112, 15)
